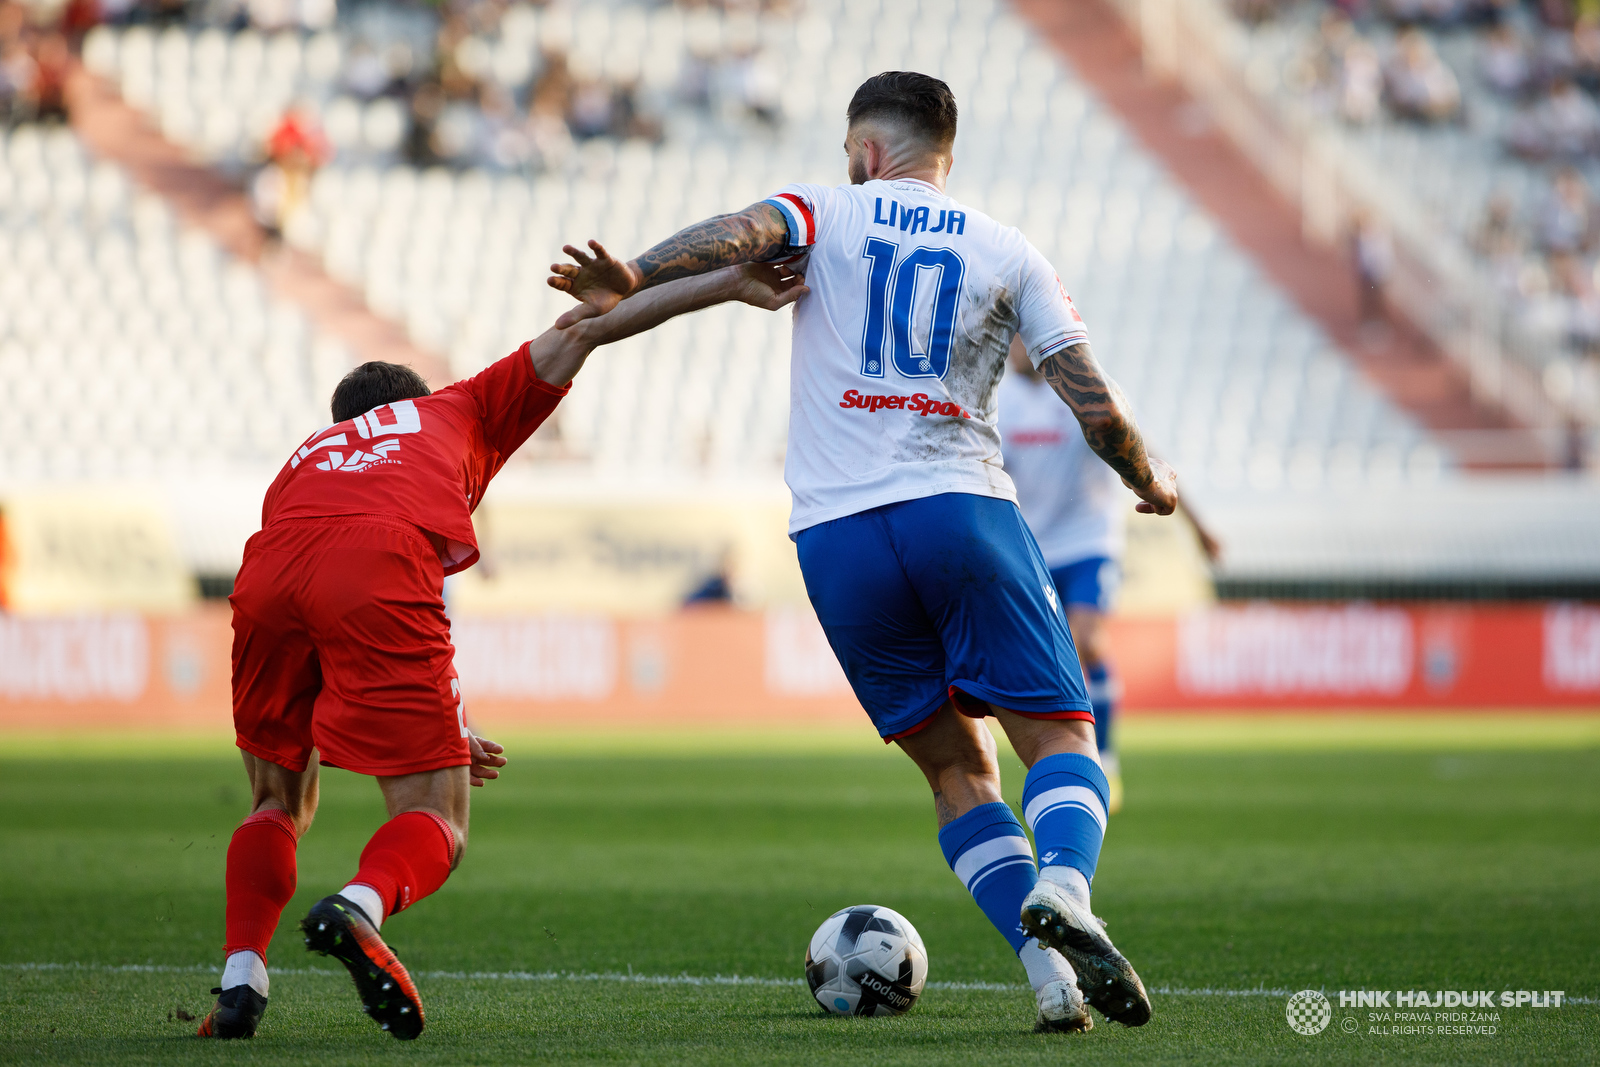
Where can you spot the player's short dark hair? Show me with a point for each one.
(924, 103)
(373, 385)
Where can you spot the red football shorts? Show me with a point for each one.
(340, 642)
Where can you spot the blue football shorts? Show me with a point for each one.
(1088, 583)
(942, 598)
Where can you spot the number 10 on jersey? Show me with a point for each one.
(891, 299)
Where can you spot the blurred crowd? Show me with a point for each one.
(1347, 74)
(475, 83)
(1542, 58)
(1547, 257)
(35, 57)
(1532, 67)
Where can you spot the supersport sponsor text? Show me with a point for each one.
(921, 403)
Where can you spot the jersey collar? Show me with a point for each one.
(915, 181)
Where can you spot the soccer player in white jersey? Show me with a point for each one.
(923, 574)
(1077, 510)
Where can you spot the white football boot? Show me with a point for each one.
(1060, 921)
(1055, 988)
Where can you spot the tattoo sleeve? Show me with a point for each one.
(1101, 410)
(757, 233)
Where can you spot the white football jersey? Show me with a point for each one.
(902, 341)
(1075, 505)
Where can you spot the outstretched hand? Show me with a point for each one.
(1160, 497)
(767, 286)
(597, 282)
(486, 758)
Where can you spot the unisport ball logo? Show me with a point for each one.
(1308, 1012)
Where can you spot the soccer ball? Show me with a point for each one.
(866, 960)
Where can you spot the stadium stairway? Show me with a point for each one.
(203, 198)
(1402, 361)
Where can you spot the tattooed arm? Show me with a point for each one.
(558, 354)
(755, 234)
(1108, 426)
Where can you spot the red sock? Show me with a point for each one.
(261, 876)
(407, 859)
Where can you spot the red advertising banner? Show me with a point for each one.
(1267, 655)
(710, 666)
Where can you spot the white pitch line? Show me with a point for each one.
(638, 979)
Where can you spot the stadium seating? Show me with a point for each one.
(131, 347)
(1448, 174)
(1232, 381)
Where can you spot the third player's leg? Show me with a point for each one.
(1088, 635)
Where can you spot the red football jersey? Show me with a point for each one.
(426, 461)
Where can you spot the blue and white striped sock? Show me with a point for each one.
(989, 851)
(1064, 799)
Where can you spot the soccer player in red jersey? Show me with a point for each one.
(341, 642)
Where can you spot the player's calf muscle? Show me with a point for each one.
(295, 793)
(1034, 739)
(444, 793)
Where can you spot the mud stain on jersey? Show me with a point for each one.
(977, 363)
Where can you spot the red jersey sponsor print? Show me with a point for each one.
(426, 461)
(1035, 437)
(921, 403)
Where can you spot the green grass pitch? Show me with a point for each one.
(602, 895)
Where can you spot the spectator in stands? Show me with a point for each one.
(1341, 70)
(455, 77)
(53, 62)
(589, 111)
(716, 587)
(19, 76)
(1577, 441)
(1564, 125)
(759, 89)
(552, 91)
(295, 149)
(1574, 286)
(270, 16)
(1315, 69)
(1373, 253)
(1504, 61)
(78, 17)
(1419, 85)
(1553, 55)
(1499, 241)
(365, 74)
(1567, 222)
(506, 142)
(1417, 12)
(547, 126)
(458, 133)
(1586, 52)
(1360, 81)
(1556, 14)
(629, 119)
(1256, 12)
(427, 105)
(116, 12)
